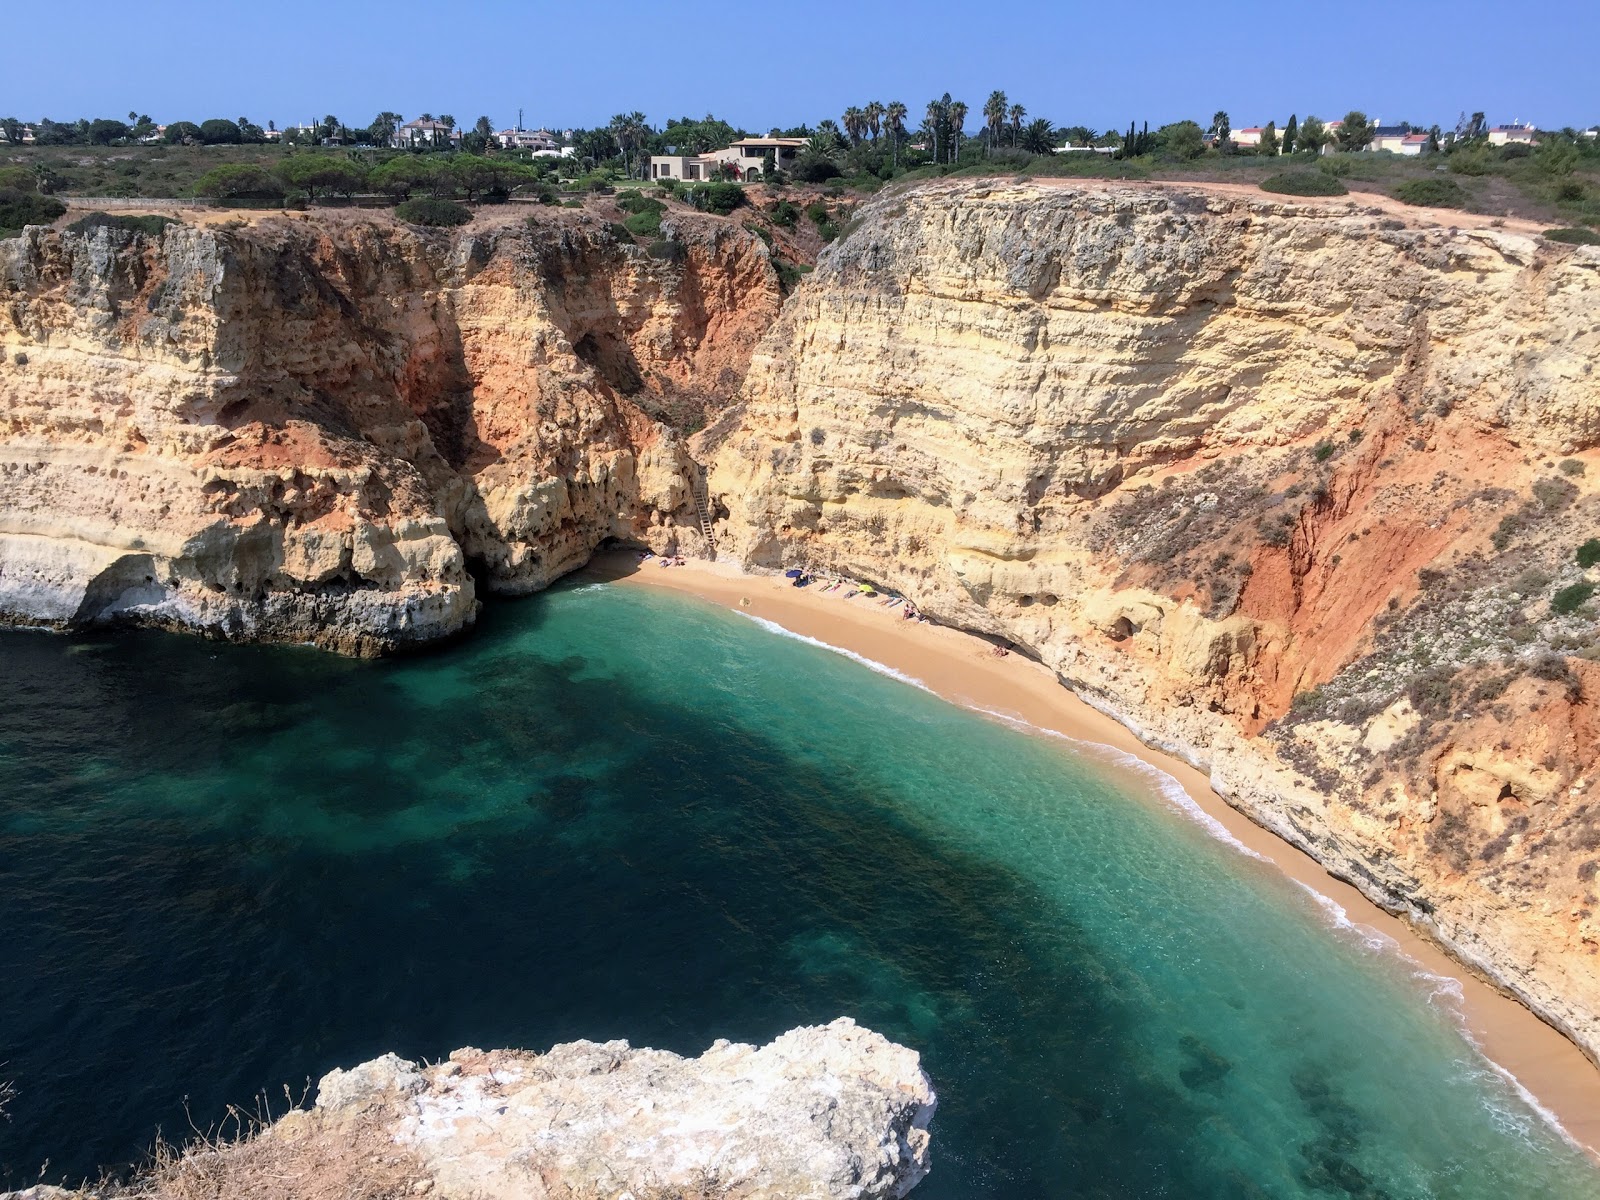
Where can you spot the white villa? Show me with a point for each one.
(745, 157)
(528, 139)
(1502, 135)
(425, 133)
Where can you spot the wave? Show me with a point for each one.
(871, 664)
(1443, 990)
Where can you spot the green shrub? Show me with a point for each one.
(637, 202)
(1589, 553)
(784, 213)
(1571, 466)
(620, 231)
(1304, 183)
(720, 198)
(644, 224)
(433, 212)
(1569, 599)
(18, 179)
(152, 226)
(1575, 237)
(1432, 193)
(1470, 160)
(26, 208)
(1553, 493)
(1323, 452)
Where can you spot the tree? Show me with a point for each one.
(1220, 129)
(484, 127)
(332, 172)
(895, 114)
(1433, 141)
(11, 130)
(958, 124)
(1291, 132)
(406, 173)
(219, 131)
(239, 181)
(873, 114)
(933, 121)
(1313, 135)
(1017, 113)
(1182, 139)
(103, 132)
(1269, 140)
(383, 128)
(994, 117)
(1039, 137)
(1356, 131)
(182, 131)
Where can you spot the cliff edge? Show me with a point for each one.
(828, 1112)
(1298, 492)
(336, 432)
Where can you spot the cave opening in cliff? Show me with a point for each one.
(612, 359)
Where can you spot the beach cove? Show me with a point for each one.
(965, 670)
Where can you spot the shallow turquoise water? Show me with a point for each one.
(620, 814)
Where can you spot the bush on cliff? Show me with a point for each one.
(1304, 183)
(1569, 599)
(1575, 237)
(26, 208)
(152, 225)
(433, 212)
(1432, 193)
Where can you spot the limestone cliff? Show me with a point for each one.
(1294, 490)
(301, 431)
(830, 1112)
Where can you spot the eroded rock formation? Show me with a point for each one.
(1295, 490)
(828, 1112)
(309, 432)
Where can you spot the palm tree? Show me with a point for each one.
(895, 113)
(958, 124)
(855, 123)
(1017, 113)
(994, 116)
(873, 114)
(931, 121)
(1039, 137)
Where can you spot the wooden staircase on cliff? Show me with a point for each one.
(701, 491)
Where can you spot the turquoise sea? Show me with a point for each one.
(613, 813)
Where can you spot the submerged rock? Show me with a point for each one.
(827, 1112)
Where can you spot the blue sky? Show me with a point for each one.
(761, 64)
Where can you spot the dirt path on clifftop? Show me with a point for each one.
(1356, 201)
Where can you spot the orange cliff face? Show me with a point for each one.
(1293, 489)
(308, 431)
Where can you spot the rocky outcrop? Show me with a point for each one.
(1293, 490)
(829, 1112)
(310, 432)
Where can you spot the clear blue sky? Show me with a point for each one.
(761, 64)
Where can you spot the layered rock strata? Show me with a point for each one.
(828, 1112)
(311, 431)
(1296, 491)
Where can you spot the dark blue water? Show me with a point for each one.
(617, 814)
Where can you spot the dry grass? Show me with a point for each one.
(304, 1155)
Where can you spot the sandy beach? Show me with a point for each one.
(964, 669)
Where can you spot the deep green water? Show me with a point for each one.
(621, 814)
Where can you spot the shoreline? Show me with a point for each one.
(1553, 1075)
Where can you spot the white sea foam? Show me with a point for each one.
(871, 664)
(1170, 790)
(1443, 990)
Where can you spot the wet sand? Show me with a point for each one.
(963, 668)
